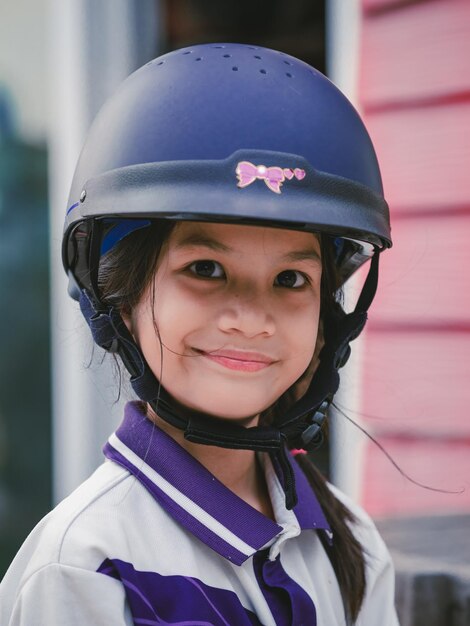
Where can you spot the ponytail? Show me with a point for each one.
(346, 553)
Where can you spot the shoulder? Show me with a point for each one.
(378, 606)
(362, 526)
(85, 508)
(57, 594)
(63, 553)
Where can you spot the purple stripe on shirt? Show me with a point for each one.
(308, 510)
(166, 457)
(288, 602)
(184, 472)
(177, 600)
(179, 514)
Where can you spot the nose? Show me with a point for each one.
(247, 312)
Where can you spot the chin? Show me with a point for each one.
(235, 411)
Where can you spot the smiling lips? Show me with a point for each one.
(239, 360)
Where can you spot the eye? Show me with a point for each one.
(207, 269)
(292, 279)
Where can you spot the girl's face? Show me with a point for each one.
(231, 319)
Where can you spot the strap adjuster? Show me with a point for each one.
(312, 437)
(342, 356)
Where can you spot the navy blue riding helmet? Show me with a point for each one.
(236, 134)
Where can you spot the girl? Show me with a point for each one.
(224, 195)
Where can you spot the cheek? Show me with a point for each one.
(308, 343)
(175, 313)
(142, 327)
(303, 331)
(170, 318)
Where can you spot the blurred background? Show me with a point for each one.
(406, 66)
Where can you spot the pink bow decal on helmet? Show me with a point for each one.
(272, 176)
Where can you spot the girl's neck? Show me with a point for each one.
(238, 470)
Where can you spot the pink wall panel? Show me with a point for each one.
(424, 155)
(417, 382)
(408, 53)
(380, 6)
(425, 277)
(440, 464)
(415, 92)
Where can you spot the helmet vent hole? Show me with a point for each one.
(287, 62)
(218, 47)
(227, 56)
(257, 56)
(289, 75)
(160, 62)
(187, 52)
(198, 59)
(234, 68)
(263, 72)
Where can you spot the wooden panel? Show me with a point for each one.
(438, 464)
(372, 7)
(424, 278)
(415, 92)
(416, 384)
(424, 156)
(419, 52)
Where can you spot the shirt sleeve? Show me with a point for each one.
(379, 602)
(378, 606)
(60, 594)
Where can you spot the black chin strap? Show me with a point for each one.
(300, 426)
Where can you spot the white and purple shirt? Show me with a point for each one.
(153, 538)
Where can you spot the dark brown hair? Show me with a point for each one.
(125, 273)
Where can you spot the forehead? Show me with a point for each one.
(242, 237)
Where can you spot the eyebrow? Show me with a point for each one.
(303, 255)
(196, 240)
(199, 240)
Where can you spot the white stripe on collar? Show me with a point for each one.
(179, 498)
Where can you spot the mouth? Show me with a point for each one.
(238, 360)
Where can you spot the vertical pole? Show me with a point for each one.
(343, 21)
(93, 47)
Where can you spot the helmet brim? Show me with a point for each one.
(211, 191)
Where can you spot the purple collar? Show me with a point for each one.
(194, 498)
